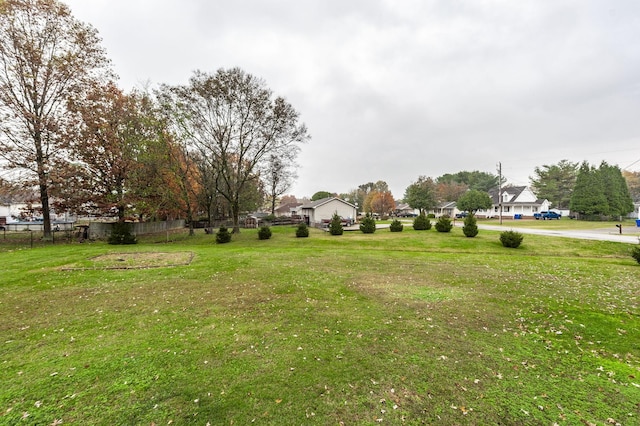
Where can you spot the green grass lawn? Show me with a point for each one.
(397, 328)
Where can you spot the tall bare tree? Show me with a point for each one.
(233, 121)
(46, 56)
(278, 178)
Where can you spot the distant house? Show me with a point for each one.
(315, 212)
(404, 210)
(16, 206)
(516, 200)
(447, 208)
(289, 209)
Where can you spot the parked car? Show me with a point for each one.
(461, 215)
(547, 215)
(343, 222)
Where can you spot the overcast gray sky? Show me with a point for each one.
(394, 89)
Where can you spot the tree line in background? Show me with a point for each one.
(219, 144)
(589, 192)
(423, 194)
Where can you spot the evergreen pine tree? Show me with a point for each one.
(470, 228)
(121, 234)
(396, 226)
(616, 190)
(368, 224)
(302, 231)
(444, 224)
(264, 233)
(421, 223)
(223, 235)
(335, 226)
(588, 198)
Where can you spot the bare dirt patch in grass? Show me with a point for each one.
(136, 260)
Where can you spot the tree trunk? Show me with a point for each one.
(235, 215)
(43, 185)
(273, 203)
(44, 200)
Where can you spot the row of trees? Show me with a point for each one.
(468, 189)
(588, 190)
(582, 188)
(601, 191)
(423, 194)
(221, 142)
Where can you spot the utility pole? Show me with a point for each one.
(500, 191)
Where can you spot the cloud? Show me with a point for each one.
(394, 90)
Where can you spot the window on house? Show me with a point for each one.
(506, 209)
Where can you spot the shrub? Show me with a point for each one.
(511, 239)
(444, 224)
(470, 228)
(635, 253)
(223, 235)
(302, 231)
(421, 223)
(368, 224)
(335, 226)
(431, 216)
(396, 226)
(264, 233)
(121, 234)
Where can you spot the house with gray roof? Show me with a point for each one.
(317, 212)
(517, 201)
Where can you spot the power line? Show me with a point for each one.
(627, 168)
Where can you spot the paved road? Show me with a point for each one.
(630, 234)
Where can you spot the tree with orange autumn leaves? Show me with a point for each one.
(121, 160)
(380, 202)
(46, 56)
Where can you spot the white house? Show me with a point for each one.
(517, 201)
(447, 208)
(13, 207)
(315, 212)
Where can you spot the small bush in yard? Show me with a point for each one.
(223, 235)
(421, 223)
(121, 234)
(335, 226)
(302, 231)
(368, 224)
(444, 224)
(635, 253)
(511, 239)
(264, 233)
(470, 228)
(396, 226)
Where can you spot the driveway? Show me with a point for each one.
(630, 234)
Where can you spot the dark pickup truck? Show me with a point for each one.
(547, 215)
